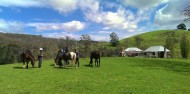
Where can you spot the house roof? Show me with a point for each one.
(133, 49)
(156, 49)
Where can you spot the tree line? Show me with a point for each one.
(13, 44)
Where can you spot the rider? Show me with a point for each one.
(66, 49)
(40, 58)
(77, 52)
(66, 53)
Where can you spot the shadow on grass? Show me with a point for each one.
(87, 65)
(52, 64)
(176, 66)
(19, 67)
(57, 67)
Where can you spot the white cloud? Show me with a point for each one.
(111, 20)
(11, 26)
(62, 35)
(100, 37)
(63, 6)
(21, 3)
(170, 16)
(109, 4)
(91, 9)
(72, 26)
(144, 4)
(108, 16)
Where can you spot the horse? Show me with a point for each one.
(95, 55)
(62, 55)
(27, 56)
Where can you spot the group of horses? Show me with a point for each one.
(69, 58)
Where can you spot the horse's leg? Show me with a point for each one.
(74, 62)
(32, 63)
(96, 62)
(91, 61)
(77, 61)
(99, 62)
(24, 64)
(65, 63)
(60, 63)
(27, 64)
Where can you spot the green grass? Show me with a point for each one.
(115, 76)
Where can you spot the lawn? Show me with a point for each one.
(116, 75)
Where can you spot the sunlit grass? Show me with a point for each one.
(115, 76)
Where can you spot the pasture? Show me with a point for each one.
(116, 75)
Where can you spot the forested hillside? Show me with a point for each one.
(13, 44)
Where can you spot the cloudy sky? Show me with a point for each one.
(98, 18)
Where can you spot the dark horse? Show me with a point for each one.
(95, 55)
(62, 55)
(27, 56)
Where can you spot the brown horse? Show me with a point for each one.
(27, 56)
(62, 55)
(95, 55)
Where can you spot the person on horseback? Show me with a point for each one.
(77, 52)
(40, 58)
(66, 53)
(66, 49)
(62, 52)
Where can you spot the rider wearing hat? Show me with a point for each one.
(40, 58)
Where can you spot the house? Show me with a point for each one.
(157, 51)
(133, 51)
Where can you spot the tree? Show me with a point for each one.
(170, 43)
(85, 37)
(184, 45)
(138, 40)
(86, 41)
(186, 13)
(114, 39)
(182, 26)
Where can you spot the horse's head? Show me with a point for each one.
(33, 62)
(59, 56)
(28, 54)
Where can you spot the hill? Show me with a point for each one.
(13, 44)
(155, 38)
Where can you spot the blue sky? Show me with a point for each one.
(98, 18)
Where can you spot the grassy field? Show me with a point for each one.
(115, 76)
